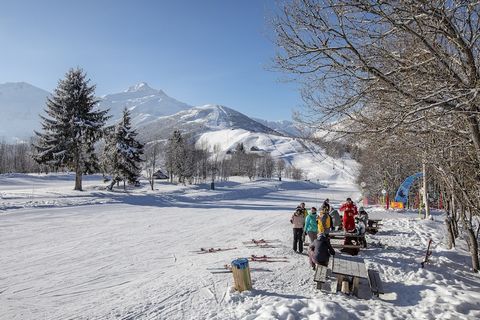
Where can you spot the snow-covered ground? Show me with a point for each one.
(115, 255)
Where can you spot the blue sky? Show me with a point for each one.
(199, 52)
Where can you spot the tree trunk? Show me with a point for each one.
(425, 192)
(473, 249)
(152, 180)
(454, 216)
(78, 176)
(475, 130)
(471, 239)
(451, 236)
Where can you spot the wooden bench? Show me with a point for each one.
(349, 246)
(320, 276)
(373, 225)
(376, 284)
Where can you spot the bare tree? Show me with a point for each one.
(280, 167)
(395, 74)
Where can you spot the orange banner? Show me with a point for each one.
(396, 205)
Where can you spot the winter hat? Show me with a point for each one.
(361, 209)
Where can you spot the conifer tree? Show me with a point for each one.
(180, 158)
(71, 127)
(123, 152)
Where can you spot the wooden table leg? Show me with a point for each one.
(356, 282)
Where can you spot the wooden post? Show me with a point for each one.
(345, 287)
(241, 274)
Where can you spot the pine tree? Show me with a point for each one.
(180, 158)
(176, 155)
(123, 152)
(71, 127)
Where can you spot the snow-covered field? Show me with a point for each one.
(115, 255)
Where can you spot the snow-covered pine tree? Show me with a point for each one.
(123, 152)
(71, 127)
(175, 157)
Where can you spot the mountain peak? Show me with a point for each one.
(142, 86)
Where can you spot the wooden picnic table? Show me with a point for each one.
(353, 241)
(348, 267)
(343, 235)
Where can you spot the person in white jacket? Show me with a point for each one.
(298, 221)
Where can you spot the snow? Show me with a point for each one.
(285, 127)
(20, 105)
(115, 255)
(312, 159)
(145, 103)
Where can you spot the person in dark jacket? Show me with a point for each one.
(305, 214)
(326, 205)
(320, 251)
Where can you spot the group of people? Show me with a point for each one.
(317, 225)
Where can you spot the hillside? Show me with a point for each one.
(20, 104)
(198, 120)
(312, 159)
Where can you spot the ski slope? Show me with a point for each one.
(312, 159)
(115, 255)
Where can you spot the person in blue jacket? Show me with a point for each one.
(311, 225)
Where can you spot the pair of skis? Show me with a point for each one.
(252, 243)
(262, 243)
(265, 258)
(212, 250)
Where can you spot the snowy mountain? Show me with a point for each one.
(145, 103)
(286, 127)
(20, 105)
(198, 120)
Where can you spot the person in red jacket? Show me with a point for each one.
(349, 212)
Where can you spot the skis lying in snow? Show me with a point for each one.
(255, 258)
(225, 269)
(212, 250)
(262, 243)
(267, 257)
